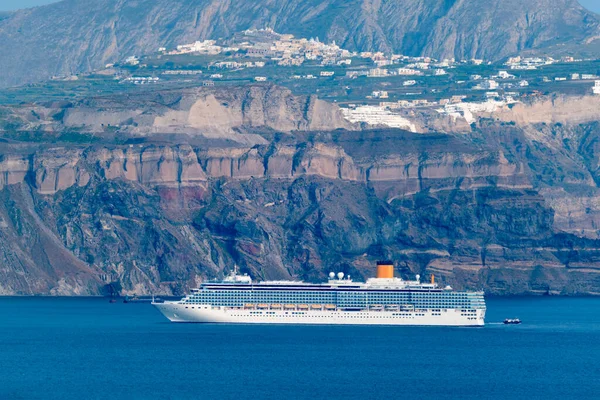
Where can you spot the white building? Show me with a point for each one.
(505, 75)
(377, 73)
(182, 72)
(383, 63)
(205, 47)
(489, 84)
(596, 88)
(133, 60)
(469, 111)
(408, 71)
(377, 115)
(141, 80)
(419, 65)
(380, 94)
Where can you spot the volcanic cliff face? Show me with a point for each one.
(517, 218)
(80, 35)
(230, 113)
(571, 110)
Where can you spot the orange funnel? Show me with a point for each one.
(385, 270)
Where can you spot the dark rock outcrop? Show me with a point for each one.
(161, 218)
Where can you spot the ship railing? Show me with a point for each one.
(288, 307)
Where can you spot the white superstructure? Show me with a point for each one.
(384, 300)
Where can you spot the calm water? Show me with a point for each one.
(65, 348)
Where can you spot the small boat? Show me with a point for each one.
(112, 301)
(136, 299)
(511, 321)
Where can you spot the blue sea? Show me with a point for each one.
(87, 348)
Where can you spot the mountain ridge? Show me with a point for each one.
(78, 36)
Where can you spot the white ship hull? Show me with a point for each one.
(177, 312)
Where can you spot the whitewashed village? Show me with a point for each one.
(401, 85)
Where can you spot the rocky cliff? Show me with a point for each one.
(229, 113)
(81, 35)
(499, 209)
(556, 109)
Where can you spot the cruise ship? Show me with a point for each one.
(384, 300)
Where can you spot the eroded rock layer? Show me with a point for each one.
(228, 113)
(510, 216)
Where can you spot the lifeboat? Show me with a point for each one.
(290, 306)
(330, 307)
(303, 306)
(263, 306)
(391, 307)
(248, 305)
(276, 306)
(376, 307)
(316, 307)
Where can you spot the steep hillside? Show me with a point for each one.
(80, 35)
(503, 210)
